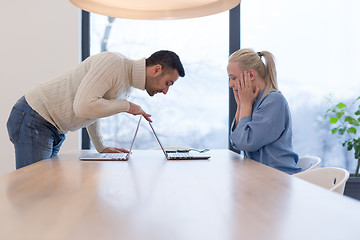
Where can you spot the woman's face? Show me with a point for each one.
(234, 72)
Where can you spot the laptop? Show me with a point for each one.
(179, 154)
(111, 156)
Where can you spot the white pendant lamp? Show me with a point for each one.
(156, 9)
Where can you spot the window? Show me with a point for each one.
(194, 113)
(316, 47)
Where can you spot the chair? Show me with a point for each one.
(308, 162)
(331, 178)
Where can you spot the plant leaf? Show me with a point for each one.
(334, 130)
(339, 114)
(342, 131)
(341, 105)
(327, 113)
(333, 120)
(351, 130)
(357, 112)
(352, 121)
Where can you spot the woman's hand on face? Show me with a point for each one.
(246, 93)
(236, 92)
(137, 110)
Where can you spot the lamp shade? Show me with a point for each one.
(156, 9)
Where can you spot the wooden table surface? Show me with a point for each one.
(148, 197)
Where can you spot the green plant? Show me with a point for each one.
(346, 120)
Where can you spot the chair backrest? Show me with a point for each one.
(331, 178)
(308, 162)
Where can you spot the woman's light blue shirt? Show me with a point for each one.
(266, 136)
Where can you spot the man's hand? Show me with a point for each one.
(114, 150)
(137, 110)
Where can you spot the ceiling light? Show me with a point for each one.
(156, 9)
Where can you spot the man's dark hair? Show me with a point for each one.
(168, 60)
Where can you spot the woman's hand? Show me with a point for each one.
(247, 94)
(115, 150)
(137, 110)
(236, 93)
(238, 103)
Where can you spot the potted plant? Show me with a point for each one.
(346, 122)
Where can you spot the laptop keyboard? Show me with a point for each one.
(113, 155)
(179, 155)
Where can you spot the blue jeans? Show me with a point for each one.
(33, 137)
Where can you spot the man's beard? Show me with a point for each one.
(151, 81)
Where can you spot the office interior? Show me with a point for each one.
(39, 40)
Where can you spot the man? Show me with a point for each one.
(97, 88)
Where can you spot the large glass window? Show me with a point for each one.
(316, 45)
(194, 113)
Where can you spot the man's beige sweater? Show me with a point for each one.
(95, 89)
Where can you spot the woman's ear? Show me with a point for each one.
(252, 74)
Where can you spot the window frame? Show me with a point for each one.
(234, 45)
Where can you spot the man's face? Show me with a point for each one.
(160, 81)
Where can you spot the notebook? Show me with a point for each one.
(111, 156)
(179, 155)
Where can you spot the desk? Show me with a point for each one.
(148, 197)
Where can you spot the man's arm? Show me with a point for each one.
(95, 136)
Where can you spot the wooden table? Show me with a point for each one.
(148, 197)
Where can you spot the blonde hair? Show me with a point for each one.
(249, 59)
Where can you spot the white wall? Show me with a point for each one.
(39, 40)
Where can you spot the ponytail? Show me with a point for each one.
(270, 76)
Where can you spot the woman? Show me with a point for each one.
(262, 124)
